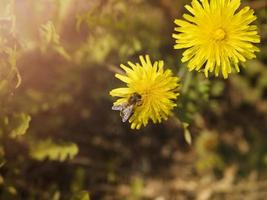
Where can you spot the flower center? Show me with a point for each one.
(219, 34)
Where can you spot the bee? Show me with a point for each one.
(126, 109)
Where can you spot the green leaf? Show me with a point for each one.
(51, 39)
(136, 188)
(187, 134)
(49, 34)
(53, 151)
(20, 124)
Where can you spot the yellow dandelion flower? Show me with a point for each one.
(216, 35)
(150, 92)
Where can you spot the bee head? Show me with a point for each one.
(135, 98)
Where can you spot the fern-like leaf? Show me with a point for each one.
(53, 151)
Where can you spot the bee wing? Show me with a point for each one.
(126, 113)
(119, 107)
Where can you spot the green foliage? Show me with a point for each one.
(109, 28)
(194, 96)
(8, 46)
(51, 40)
(53, 151)
(20, 124)
(57, 64)
(14, 125)
(78, 180)
(137, 186)
(82, 195)
(207, 150)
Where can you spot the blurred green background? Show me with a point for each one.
(59, 138)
